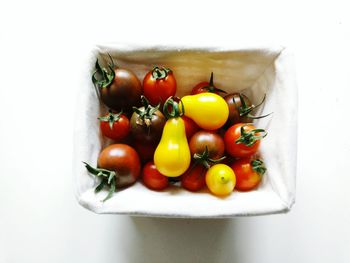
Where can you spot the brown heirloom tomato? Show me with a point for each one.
(240, 108)
(145, 149)
(210, 140)
(147, 122)
(118, 166)
(238, 104)
(118, 88)
(122, 159)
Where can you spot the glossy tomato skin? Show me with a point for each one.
(152, 178)
(151, 133)
(202, 139)
(208, 110)
(145, 149)
(120, 128)
(200, 88)
(158, 90)
(124, 91)
(194, 178)
(239, 149)
(234, 103)
(172, 156)
(122, 159)
(205, 86)
(190, 126)
(220, 179)
(246, 178)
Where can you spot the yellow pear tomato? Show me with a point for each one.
(172, 156)
(208, 110)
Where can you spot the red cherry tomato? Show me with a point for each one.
(243, 140)
(190, 126)
(194, 178)
(248, 173)
(152, 178)
(114, 126)
(158, 85)
(206, 87)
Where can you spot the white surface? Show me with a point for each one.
(40, 220)
(255, 72)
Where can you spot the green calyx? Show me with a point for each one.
(171, 108)
(108, 178)
(211, 87)
(111, 118)
(160, 72)
(205, 160)
(258, 166)
(245, 110)
(249, 138)
(102, 77)
(146, 112)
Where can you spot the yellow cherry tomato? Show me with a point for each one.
(208, 110)
(220, 179)
(172, 156)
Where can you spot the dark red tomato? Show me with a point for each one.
(190, 126)
(194, 178)
(114, 126)
(118, 88)
(210, 140)
(145, 149)
(147, 122)
(152, 178)
(158, 85)
(243, 140)
(248, 173)
(122, 159)
(206, 87)
(239, 107)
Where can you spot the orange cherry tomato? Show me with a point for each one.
(248, 173)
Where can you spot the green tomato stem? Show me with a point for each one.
(175, 110)
(249, 138)
(258, 166)
(204, 159)
(107, 177)
(160, 72)
(146, 113)
(111, 118)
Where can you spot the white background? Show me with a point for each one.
(42, 46)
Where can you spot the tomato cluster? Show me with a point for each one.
(163, 139)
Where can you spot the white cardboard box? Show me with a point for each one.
(254, 71)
